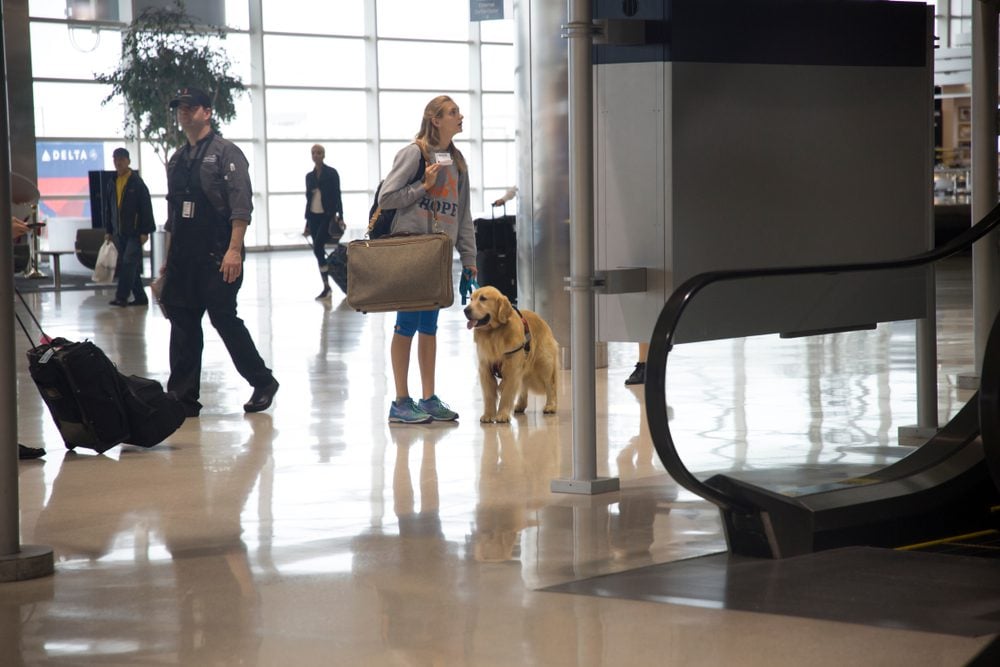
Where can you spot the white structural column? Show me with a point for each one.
(985, 260)
(17, 562)
(579, 30)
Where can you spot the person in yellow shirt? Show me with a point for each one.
(128, 221)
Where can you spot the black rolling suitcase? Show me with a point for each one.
(336, 266)
(92, 404)
(496, 256)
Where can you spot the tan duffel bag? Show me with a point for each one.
(400, 272)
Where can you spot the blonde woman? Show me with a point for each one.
(438, 202)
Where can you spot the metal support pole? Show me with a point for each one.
(32, 270)
(579, 30)
(985, 262)
(927, 412)
(16, 562)
(926, 328)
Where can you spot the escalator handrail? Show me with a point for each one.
(661, 342)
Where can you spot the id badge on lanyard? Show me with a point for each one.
(188, 209)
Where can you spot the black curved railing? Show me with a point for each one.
(664, 332)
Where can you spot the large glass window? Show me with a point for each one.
(499, 165)
(499, 116)
(288, 163)
(498, 67)
(497, 31)
(76, 110)
(342, 17)
(316, 114)
(401, 113)
(400, 62)
(315, 75)
(320, 62)
(61, 51)
(441, 19)
(240, 127)
(50, 9)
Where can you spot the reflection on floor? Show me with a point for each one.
(908, 590)
(315, 534)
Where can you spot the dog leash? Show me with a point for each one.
(467, 285)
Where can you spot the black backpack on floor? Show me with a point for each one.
(92, 404)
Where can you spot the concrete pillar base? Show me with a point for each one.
(31, 562)
(585, 486)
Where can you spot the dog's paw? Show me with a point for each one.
(519, 409)
(503, 418)
(549, 409)
(486, 419)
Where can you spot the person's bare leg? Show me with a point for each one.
(426, 357)
(399, 353)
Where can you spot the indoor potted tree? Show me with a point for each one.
(163, 50)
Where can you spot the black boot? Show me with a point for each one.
(638, 375)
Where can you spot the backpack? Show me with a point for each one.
(380, 219)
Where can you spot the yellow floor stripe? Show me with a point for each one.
(947, 540)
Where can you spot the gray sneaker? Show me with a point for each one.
(405, 411)
(436, 409)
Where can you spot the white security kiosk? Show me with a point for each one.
(763, 133)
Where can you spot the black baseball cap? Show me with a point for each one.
(195, 97)
(121, 152)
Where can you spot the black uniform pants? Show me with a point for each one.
(187, 339)
(319, 230)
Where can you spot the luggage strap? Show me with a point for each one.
(31, 341)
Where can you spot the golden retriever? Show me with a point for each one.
(517, 352)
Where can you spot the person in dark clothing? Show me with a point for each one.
(323, 205)
(209, 203)
(19, 228)
(128, 221)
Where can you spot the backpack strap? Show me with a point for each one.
(376, 210)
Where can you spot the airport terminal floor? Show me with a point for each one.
(317, 534)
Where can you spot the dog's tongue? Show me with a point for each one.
(471, 324)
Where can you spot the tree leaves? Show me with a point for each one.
(163, 50)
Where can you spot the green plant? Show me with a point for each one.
(163, 51)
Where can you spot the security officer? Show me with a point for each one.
(210, 200)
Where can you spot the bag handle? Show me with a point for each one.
(45, 336)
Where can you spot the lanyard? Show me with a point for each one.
(195, 161)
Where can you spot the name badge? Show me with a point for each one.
(443, 159)
(187, 209)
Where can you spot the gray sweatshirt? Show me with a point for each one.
(445, 207)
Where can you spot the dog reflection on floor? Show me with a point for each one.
(517, 353)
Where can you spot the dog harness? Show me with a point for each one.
(525, 345)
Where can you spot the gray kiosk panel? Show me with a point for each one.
(720, 155)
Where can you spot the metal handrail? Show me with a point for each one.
(665, 330)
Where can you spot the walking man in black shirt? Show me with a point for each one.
(210, 201)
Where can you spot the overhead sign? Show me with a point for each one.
(485, 10)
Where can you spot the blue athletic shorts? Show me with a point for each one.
(424, 321)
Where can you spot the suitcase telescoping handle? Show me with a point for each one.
(45, 336)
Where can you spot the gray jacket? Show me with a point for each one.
(445, 208)
(225, 179)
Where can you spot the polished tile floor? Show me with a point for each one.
(316, 534)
